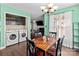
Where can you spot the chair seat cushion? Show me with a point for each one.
(52, 52)
(40, 53)
(52, 49)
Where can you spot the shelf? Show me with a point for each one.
(76, 39)
(15, 20)
(76, 42)
(76, 35)
(76, 47)
(76, 32)
(76, 29)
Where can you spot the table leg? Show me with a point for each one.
(44, 53)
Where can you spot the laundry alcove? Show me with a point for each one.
(5, 9)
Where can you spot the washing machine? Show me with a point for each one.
(22, 35)
(11, 37)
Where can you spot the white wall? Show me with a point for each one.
(35, 27)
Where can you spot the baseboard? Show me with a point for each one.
(2, 48)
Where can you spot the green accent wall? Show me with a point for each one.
(75, 16)
(3, 9)
(46, 24)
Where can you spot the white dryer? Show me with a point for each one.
(11, 37)
(22, 35)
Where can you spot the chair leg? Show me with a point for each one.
(60, 54)
(35, 52)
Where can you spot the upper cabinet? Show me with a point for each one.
(15, 19)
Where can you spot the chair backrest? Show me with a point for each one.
(31, 47)
(53, 33)
(59, 46)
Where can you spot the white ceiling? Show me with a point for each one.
(34, 8)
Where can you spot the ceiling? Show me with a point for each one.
(34, 8)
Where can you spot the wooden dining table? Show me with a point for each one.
(44, 46)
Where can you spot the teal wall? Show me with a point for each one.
(75, 13)
(0, 26)
(3, 9)
(46, 24)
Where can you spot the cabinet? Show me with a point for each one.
(76, 35)
(15, 22)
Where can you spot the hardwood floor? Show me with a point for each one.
(20, 50)
(14, 50)
(69, 52)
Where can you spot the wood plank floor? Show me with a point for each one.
(69, 52)
(20, 50)
(14, 50)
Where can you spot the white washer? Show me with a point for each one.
(11, 37)
(22, 35)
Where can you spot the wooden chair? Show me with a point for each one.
(56, 51)
(32, 50)
(53, 33)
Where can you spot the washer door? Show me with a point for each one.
(23, 35)
(12, 37)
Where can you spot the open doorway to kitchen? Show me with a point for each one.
(37, 28)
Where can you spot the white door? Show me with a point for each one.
(68, 29)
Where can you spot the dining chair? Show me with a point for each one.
(56, 51)
(32, 50)
(54, 34)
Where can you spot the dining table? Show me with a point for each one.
(44, 45)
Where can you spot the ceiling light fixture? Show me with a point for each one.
(49, 8)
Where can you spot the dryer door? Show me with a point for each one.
(23, 35)
(12, 37)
